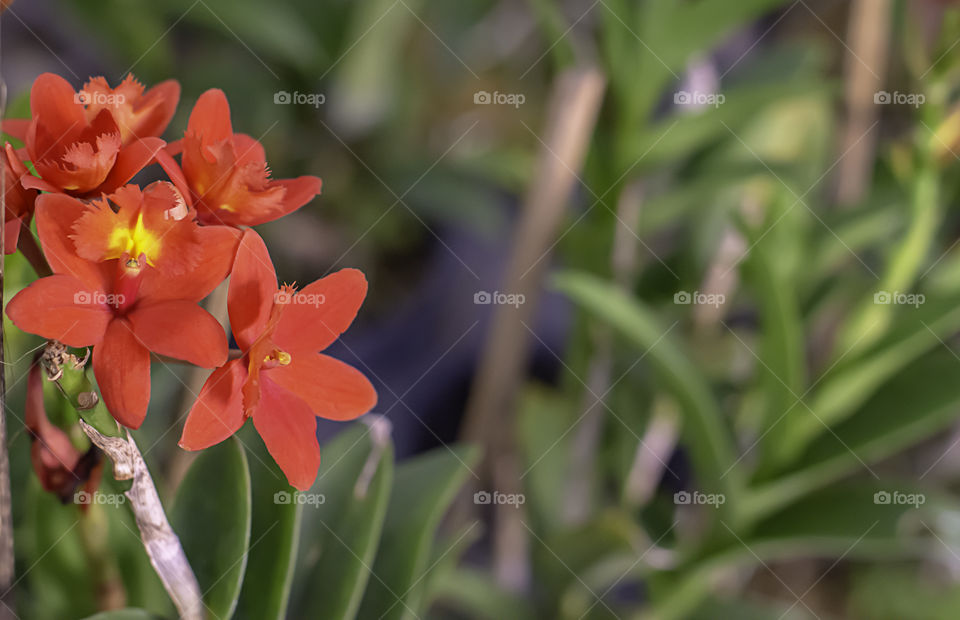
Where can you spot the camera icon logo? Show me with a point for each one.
(282, 97)
(482, 97)
(82, 297)
(682, 498)
(281, 497)
(682, 97)
(482, 497)
(682, 297)
(881, 497)
(882, 297)
(881, 97)
(482, 298)
(282, 297)
(82, 497)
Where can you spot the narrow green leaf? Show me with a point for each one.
(872, 320)
(477, 595)
(211, 515)
(782, 363)
(708, 438)
(915, 404)
(425, 486)
(343, 519)
(848, 386)
(274, 536)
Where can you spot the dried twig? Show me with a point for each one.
(868, 38)
(574, 103)
(162, 545)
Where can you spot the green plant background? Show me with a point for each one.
(799, 404)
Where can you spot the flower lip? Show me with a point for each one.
(276, 358)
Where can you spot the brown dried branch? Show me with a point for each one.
(161, 542)
(574, 104)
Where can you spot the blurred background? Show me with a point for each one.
(685, 272)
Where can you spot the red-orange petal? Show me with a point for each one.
(60, 307)
(332, 389)
(56, 215)
(52, 102)
(218, 412)
(319, 313)
(253, 288)
(11, 235)
(173, 170)
(164, 98)
(130, 160)
(122, 367)
(210, 117)
(181, 330)
(32, 182)
(298, 192)
(218, 246)
(289, 429)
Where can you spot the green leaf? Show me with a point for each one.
(477, 595)
(906, 260)
(677, 137)
(841, 518)
(782, 358)
(211, 515)
(915, 404)
(425, 486)
(342, 526)
(446, 557)
(274, 536)
(709, 440)
(849, 385)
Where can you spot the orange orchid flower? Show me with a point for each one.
(282, 381)
(128, 272)
(226, 173)
(18, 201)
(91, 142)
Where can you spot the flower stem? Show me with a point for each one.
(28, 246)
(161, 542)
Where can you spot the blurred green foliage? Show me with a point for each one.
(798, 403)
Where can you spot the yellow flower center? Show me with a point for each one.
(279, 357)
(134, 242)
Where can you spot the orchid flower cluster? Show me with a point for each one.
(130, 264)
